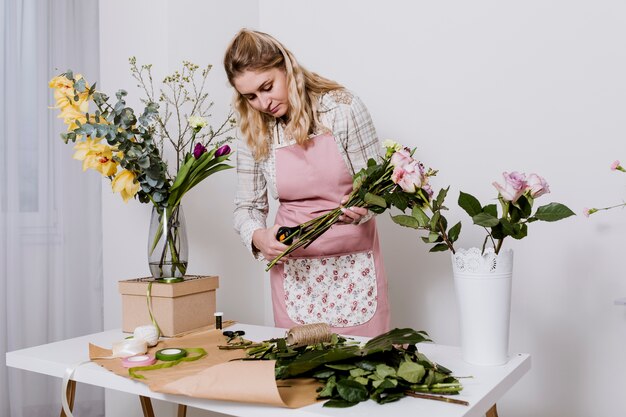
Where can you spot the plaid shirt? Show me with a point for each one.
(349, 122)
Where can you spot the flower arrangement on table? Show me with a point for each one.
(516, 197)
(129, 147)
(615, 166)
(396, 180)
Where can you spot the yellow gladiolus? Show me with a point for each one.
(126, 184)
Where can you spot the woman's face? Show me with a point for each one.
(266, 91)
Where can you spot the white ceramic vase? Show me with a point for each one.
(483, 290)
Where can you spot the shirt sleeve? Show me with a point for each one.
(251, 203)
(361, 138)
(361, 141)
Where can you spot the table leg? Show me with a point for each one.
(492, 412)
(70, 394)
(182, 410)
(146, 406)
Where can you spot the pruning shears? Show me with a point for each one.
(287, 234)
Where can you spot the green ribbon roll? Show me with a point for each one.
(170, 354)
(193, 354)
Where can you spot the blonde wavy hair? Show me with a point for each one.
(257, 51)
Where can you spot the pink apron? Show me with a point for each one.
(339, 279)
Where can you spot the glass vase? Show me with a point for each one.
(167, 243)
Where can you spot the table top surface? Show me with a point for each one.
(485, 387)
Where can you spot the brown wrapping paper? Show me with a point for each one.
(217, 376)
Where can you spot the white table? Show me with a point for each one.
(482, 391)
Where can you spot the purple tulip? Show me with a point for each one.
(222, 150)
(198, 150)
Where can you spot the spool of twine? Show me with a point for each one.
(309, 334)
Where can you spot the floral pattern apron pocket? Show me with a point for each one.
(338, 290)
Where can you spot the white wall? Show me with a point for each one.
(482, 87)
(479, 87)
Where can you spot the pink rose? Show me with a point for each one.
(614, 165)
(408, 178)
(537, 185)
(514, 186)
(401, 158)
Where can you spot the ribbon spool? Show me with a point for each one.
(171, 354)
(129, 347)
(309, 334)
(139, 360)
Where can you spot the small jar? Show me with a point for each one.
(218, 319)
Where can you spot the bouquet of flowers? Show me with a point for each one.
(615, 166)
(397, 180)
(128, 147)
(516, 198)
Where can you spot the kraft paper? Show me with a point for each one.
(218, 376)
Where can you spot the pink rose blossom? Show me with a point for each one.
(615, 165)
(537, 185)
(401, 158)
(408, 178)
(514, 186)
(586, 212)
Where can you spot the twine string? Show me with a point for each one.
(309, 334)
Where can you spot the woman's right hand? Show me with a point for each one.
(265, 241)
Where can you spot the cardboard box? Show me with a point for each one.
(177, 308)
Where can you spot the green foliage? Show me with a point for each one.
(436, 224)
(382, 369)
(513, 222)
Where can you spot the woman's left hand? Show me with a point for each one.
(351, 215)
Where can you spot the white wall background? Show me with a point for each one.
(479, 88)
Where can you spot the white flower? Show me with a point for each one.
(391, 144)
(197, 122)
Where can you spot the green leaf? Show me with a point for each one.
(386, 383)
(406, 221)
(338, 404)
(328, 389)
(411, 372)
(366, 365)
(553, 212)
(341, 366)
(470, 204)
(507, 227)
(525, 206)
(453, 233)
(324, 374)
(352, 391)
(315, 358)
(439, 247)
(434, 220)
(433, 237)
(485, 220)
(420, 215)
(391, 397)
(441, 196)
(521, 231)
(396, 336)
(383, 371)
(374, 200)
(355, 372)
(358, 181)
(491, 209)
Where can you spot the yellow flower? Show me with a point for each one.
(95, 155)
(71, 115)
(126, 184)
(71, 110)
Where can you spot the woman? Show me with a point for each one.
(304, 137)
